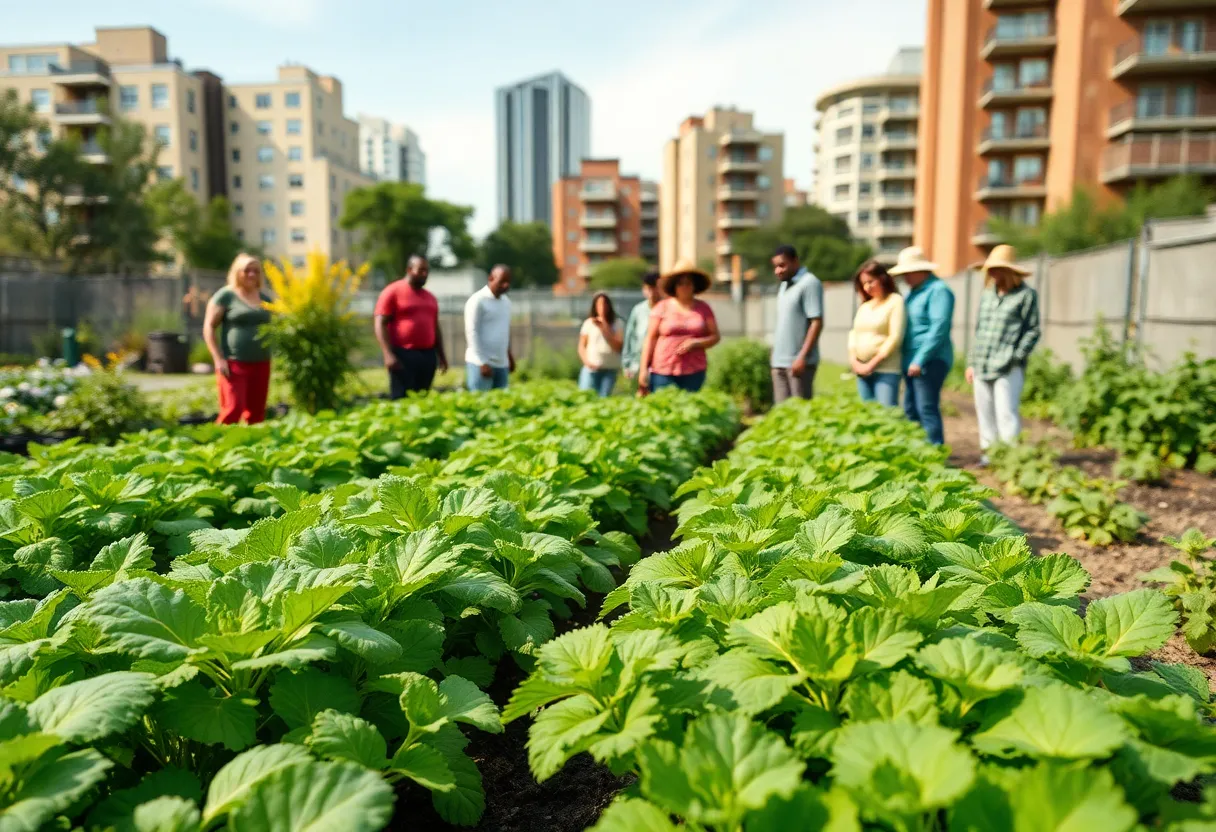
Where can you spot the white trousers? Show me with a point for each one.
(996, 405)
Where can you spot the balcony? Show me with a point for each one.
(738, 193)
(597, 245)
(1159, 156)
(900, 112)
(598, 192)
(896, 228)
(1173, 114)
(94, 154)
(1015, 38)
(1141, 56)
(82, 74)
(598, 221)
(1027, 137)
(901, 199)
(1013, 94)
(728, 222)
(985, 236)
(738, 163)
(1126, 7)
(725, 249)
(77, 196)
(897, 141)
(889, 172)
(740, 137)
(1012, 4)
(650, 211)
(1009, 188)
(86, 111)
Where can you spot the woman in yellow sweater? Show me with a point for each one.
(877, 335)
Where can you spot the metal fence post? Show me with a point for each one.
(1146, 238)
(967, 276)
(1129, 290)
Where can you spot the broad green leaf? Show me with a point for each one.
(463, 804)
(633, 814)
(483, 588)
(976, 671)
(899, 769)
(1051, 797)
(124, 556)
(465, 702)
(891, 697)
(426, 766)
(339, 736)
(324, 546)
(753, 684)
(85, 711)
(316, 797)
(118, 810)
(148, 620)
(561, 731)
(807, 808)
(411, 563)
(208, 716)
(527, 630)
(534, 692)
(167, 814)
(422, 703)
(1055, 722)
(883, 637)
(1132, 623)
(232, 783)
(298, 697)
(1045, 630)
(577, 658)
(363, 640)
(637, 725)
(54, 783)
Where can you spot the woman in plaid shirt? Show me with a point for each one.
(1006, 331)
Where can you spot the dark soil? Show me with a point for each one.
(1186, 499)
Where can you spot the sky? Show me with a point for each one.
(434, 64)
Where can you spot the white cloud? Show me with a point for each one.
(273, 12)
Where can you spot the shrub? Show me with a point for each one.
(740, 368)
(312, 330)
(199, 354)
(545, 362)
(104, 405)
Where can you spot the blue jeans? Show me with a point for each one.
(879, 387)
(474, 380)
(923, 399)
(601, 381)
(691, 382)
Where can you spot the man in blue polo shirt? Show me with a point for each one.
(795, 356)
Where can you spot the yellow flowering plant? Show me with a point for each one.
(312, 327)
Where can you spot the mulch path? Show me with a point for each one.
(1185, 500)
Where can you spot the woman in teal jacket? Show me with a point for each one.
(928, 352)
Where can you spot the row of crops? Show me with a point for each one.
(846, 636)
(290, 626)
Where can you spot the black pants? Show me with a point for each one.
(415, 371)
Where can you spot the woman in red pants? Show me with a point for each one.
(242, 362)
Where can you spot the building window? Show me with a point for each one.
(865, 189)
(268, 236)
(236, 155)
(333, 210)
(194, 179)
(263, 128)
(1032, 121)
(844, 134)
(1034, 72)
(265, 154)
(292, 99)
(1150, 101)
(236, 182)
(128, 98)
(295, 180)
(189, 101)
(41, 99)
(265, 182)
(294, 127)
(297, 235)
(766, 153)
(863, 217)
(1028, 169)
(42, 140)
(298, 262)
(571, 236)
(160, 96)
(764, 182)
(240, 234)
(841, 192)
(867, 161)
(1026, 213)
(297, 207)
(713, 151)
(194, 140)
(164, 173)
(164, 134)
(867, 131)
(333, 182)
(762, 210)
(295, 153)
(869, 107)
(232, 102)
(1185, 96)
(262, 101)
(320, 128)
(844, 110)
(266, 209)
(238, 209)
(709, 236)
(844, 164)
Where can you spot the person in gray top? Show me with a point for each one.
(795, 356)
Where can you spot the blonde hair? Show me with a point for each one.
(238, 267)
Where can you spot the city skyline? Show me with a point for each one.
(435, 69)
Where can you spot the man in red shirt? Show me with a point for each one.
(407, 327)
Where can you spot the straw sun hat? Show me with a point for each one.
(1003, 257)
(700, 279)
(911, 259)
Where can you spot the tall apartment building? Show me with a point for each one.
(79, 89)
(866, 154)
(543, 128)
(720, 176)
(292, 159)
(1024, 100)
(650, 223)
(390, 152)
(795, 197)
(597, 216)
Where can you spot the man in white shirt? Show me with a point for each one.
(487, 330)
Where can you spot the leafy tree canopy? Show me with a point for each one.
(621, 273)
(396, 219)
(823, 241)
(526, 247)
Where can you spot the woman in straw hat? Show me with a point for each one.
(1006, 331)
(681, 329)
(242, 361)
(928, 352)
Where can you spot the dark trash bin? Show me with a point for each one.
(167, 353)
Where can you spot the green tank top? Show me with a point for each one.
(239, 329)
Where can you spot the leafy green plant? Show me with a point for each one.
(1046, 381)
(1090, 510)
(546, 363)
(1191, 582)
(103, 406)
(740, 368)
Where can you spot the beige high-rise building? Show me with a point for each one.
(292, 157)
(866, 154)
(127, 72)
(721, 176)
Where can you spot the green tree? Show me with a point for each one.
(621, 273)
(396, 219)
(1084, 223)
(526, 247)
(202, 235)
(123, 231)
(823, 241)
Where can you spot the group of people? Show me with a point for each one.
(896, 340)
